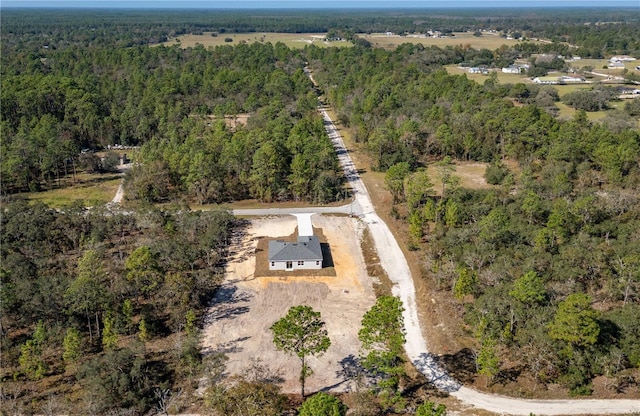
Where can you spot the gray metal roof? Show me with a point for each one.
(306, 248)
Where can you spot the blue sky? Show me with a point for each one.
(317, 4)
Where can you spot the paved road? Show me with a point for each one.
(350, 208)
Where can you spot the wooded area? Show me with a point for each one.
(560, 224)
(546, 264)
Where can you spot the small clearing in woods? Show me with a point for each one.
(238, 320)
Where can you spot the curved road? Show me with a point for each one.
(395, 264)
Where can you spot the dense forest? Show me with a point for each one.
(545, 265)
(173, 102)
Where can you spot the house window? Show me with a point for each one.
(289, 265)
(273, 264)
(317, 262)
(300, 263)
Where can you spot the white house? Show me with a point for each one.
(511, 69)
(303, 254)
(476, 70)
(624, 58)
(565, 79)
(546, 80)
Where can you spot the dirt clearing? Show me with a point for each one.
(239, 318)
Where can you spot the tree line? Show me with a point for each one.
(596, 32)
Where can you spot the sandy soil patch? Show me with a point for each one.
(240, 315)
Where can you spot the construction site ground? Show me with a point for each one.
(244, 309)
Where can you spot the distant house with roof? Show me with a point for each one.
(515, 69)
(478, 70)
(624, 58)
(549, 80)
(303, 254)
(511, 69)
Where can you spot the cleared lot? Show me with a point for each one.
(239, 318)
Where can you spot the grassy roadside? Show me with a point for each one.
(90, 189)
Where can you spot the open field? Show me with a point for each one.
(599, 65)
(300, 40)
(92, 189)
(238, 320)
(481, 78)
(568, 88)
(489, 41)
(292, 40)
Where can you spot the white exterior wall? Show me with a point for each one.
(282, 265)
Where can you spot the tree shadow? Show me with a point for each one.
(231, 346)
(437, 373)
(460, 365)
(237, 249)
(351, 371)
(350, 368)
(224, 303)
(508, 375)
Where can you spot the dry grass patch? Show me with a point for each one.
(489, 41)
(91, 189)
(471, 176)
(292, 40)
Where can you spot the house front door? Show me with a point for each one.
(289, 265)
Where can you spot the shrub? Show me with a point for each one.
(495, 173)
(323, 404)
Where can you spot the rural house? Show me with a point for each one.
(303, 254)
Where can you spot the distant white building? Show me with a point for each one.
(478, 70)
(512, 69)
(565, 79)
(615, 64)
(624, 58)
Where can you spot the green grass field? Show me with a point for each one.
(566, 89)
(292, 40)
(95, 189)
(567, 112)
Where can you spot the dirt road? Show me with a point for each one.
(395, 264)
